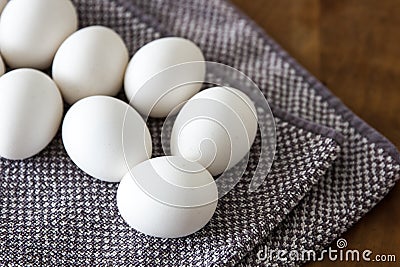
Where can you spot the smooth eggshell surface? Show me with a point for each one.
(2, 5)
(154, 86)
(167, 197)
(216, 128)
(105, 137)
(92, 61)
(31, 110)
(31, 31)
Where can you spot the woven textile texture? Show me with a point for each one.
(330, 167)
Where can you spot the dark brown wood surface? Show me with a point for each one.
(353, 47)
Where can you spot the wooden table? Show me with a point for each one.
(353, 47)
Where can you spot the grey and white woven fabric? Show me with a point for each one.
(330, 167)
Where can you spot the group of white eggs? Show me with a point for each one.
(171, 196)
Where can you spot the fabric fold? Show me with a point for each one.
(369, 164)
(53, 214)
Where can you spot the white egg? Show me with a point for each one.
(167, 197)
(152, 86)
(31, 110)
(31, 31)
(216, 128)
(105, 137)
(3, 3)
(92, 61)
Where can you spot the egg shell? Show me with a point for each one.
(92, 61)
(105, 137)
(31, 31)
(167, 197)
(31, 110)
(153, 85)
(216, 128)
(3, 3)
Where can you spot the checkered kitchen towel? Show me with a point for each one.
(330, 167)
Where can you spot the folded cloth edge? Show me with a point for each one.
(333, 101)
